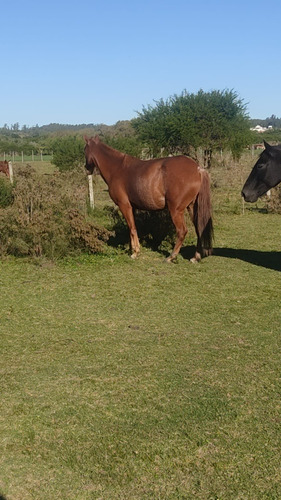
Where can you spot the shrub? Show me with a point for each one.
(273, 202)
(6, 192)
(49, 217)
(68, 153)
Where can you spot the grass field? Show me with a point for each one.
(139, 379)
(42, 167)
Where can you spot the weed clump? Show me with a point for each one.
(273, 202)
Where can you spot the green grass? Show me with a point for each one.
(36, 158)
(42, 167)
(139, 379)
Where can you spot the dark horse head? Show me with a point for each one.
(265, 174)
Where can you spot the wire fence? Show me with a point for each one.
(16, 156)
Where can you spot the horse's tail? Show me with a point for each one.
(202, 216)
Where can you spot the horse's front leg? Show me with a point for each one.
(127, 211)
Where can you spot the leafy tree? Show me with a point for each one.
(68, 152)
(208, 120)
(156, 127)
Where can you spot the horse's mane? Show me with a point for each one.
(126, 158)
(108, 149)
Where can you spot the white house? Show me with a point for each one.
(259, 128)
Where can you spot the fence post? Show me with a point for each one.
(11, 174)
(91, 191)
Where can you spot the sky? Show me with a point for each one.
(101, 61)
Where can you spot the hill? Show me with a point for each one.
(120, 128)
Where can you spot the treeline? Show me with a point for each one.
(272, 121)
(15, 130)
(185, 123)
(44, 139)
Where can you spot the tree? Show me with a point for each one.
(209, 120)
(68, 152)
(127, 144)
(15, 127)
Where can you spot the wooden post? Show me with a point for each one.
(22, 156)
(11, 172)
(91, 191)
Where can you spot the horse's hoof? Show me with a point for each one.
(170, 259)
(134, 256)
(194, 261)
(196, 258)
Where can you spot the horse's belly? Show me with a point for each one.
(146, 204)
(144, 198)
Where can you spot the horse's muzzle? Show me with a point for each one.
(89, 169)
(250, 198)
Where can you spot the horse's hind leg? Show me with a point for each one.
(127, 211)
(181, 229)
(199, 250)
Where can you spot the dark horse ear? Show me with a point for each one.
(269, 149)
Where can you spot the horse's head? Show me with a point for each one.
(265, 174)
(4, 167)
(90, 147)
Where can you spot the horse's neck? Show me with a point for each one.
(108, 161)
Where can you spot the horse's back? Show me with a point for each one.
(181, 165)
(182, 180)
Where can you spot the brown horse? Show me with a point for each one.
(4, 167)
(174, 182)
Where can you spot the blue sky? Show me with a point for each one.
(101, 61)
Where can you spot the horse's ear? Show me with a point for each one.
(269, 149)
(86, 139)
(96, 138)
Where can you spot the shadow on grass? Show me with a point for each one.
(270, 260)
(154, 227)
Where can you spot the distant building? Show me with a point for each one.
(260, 129)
